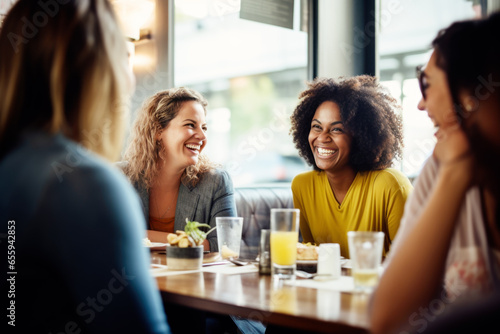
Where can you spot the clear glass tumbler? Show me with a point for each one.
(229, 236)
(365, 249)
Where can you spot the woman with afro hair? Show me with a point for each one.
(350, 131)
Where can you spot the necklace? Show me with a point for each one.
(168, 208)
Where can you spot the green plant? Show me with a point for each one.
(193, 231)
(191, 236)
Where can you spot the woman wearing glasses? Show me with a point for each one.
(448, 247)
(350, 132)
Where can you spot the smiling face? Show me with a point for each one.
(328, 140)
(185, 136)
(438, 101)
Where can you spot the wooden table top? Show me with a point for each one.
(259, 297)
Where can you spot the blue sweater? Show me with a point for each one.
(78, 228)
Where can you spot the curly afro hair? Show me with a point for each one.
(369, 114)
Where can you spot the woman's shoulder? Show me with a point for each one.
(62, 171)
(62, 161)
(99, 177)
(390, 174)
(214, 178)
(305, 179)
(307, 176)
(214, 174)
(79, 171)
(428, 173)
(390, 178)
(107, 194)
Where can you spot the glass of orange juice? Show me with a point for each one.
(284, 238)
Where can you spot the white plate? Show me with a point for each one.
(157, 246)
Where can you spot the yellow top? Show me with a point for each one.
(374, 202)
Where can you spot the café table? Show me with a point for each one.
(259, 297)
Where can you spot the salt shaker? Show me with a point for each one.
(265, 252)
(329, 261)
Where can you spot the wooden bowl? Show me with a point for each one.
(189, 258)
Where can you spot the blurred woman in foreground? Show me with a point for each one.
(73, 221)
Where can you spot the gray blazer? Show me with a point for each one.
(212, 197)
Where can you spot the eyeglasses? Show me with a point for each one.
(422, 80)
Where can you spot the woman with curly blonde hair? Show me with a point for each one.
(350, 132)
(164, 163)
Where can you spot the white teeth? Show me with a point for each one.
(193, 147)
(324, 151)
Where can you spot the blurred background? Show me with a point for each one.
(251, 59)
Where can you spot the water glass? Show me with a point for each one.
(229, 236)
(365, 249)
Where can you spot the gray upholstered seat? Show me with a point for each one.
(254, 204)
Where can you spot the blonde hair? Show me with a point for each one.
(64, 74)
(144, 152)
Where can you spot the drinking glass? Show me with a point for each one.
(229, 236)
(365, 249)
(284, 238)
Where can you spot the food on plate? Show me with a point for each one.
(226, 252)
(146, 242)
(191, 236)
(307, 252)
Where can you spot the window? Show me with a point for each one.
(4, 9)
(407, 29)
(251, 74)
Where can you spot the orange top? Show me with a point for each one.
(162, 224)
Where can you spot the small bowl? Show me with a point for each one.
(189, 258)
